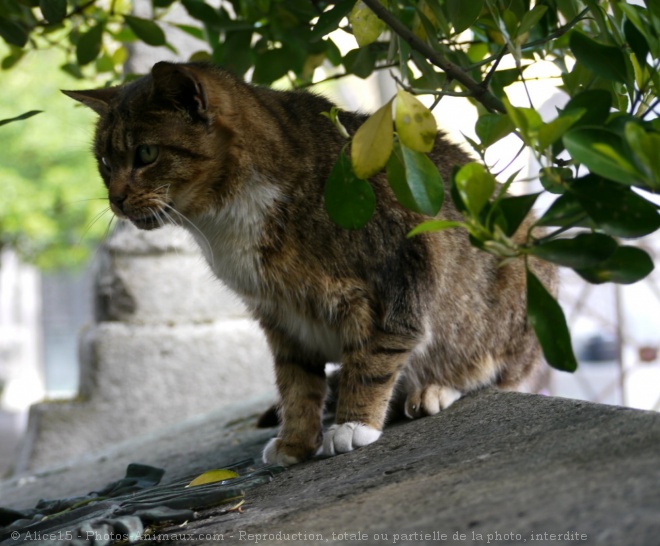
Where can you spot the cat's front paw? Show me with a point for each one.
(281, 454)
(274, 453)
(347, 437)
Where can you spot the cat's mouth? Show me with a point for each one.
(150, 221)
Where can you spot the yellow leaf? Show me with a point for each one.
(414, 123)
(366, 25)
(213, 476)
(372, 143)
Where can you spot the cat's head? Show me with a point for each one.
(163, 143)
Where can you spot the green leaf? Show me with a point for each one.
(549, 323)
(415, 123)
(361, 61)
(53, 10)
(12, 59)
(213, 476)
(605, 61)
(585, 250)
(104, 64)
(646, 150)
(596, 104)
(332, 52)
(89, 44)
(146, 30)
(626, 265)
(192, 31)
(531, 18)
(515, 209)
(366, 25)
(502, 79)
(350, 201)
(455, 194)
(654, 7)
(527, 120)
(271, 65)
(329, 20)
(475, 186)
(554, 179)
(648, 29)
(13, 33)
(603, 152)
(549, 133)
(565, 211)
(636, 41)
(492, 127)
(21, 117)
(200, 10)
(615, 209)
(415, 180)
(372, 143)
(237, 55)
(73, 69)
(434, 225)
(462, 14)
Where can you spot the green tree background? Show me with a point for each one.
(52, 204)
(598, 155)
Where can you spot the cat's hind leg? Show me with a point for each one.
(429, 400)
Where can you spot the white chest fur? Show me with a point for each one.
(230, 240)
(230, 237)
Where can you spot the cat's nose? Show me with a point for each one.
(118, 199)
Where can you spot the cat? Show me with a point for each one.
(243, 168)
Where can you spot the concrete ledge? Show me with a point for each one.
(496, 468)
(161, 298)
(161, 375)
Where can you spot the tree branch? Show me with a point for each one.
(478, 91)
(542, 41)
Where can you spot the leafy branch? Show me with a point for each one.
(478, 90)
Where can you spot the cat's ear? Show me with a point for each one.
(179, 87)
(96, 99)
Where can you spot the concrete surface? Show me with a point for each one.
(495, 468)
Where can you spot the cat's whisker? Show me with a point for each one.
(106, 235)
(186, 222)
(88, 200)
(96, 218)
(167, 186)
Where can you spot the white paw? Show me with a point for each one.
(348, 436)
(273, 455)
(447, 396)
(430, 401)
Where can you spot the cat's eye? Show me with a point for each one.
(145, 154)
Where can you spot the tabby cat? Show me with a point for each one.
(243, 168)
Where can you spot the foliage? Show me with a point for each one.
(598, 155)
(48, 208)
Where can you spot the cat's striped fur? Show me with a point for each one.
(244, 169)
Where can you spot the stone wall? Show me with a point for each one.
(169, 342)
